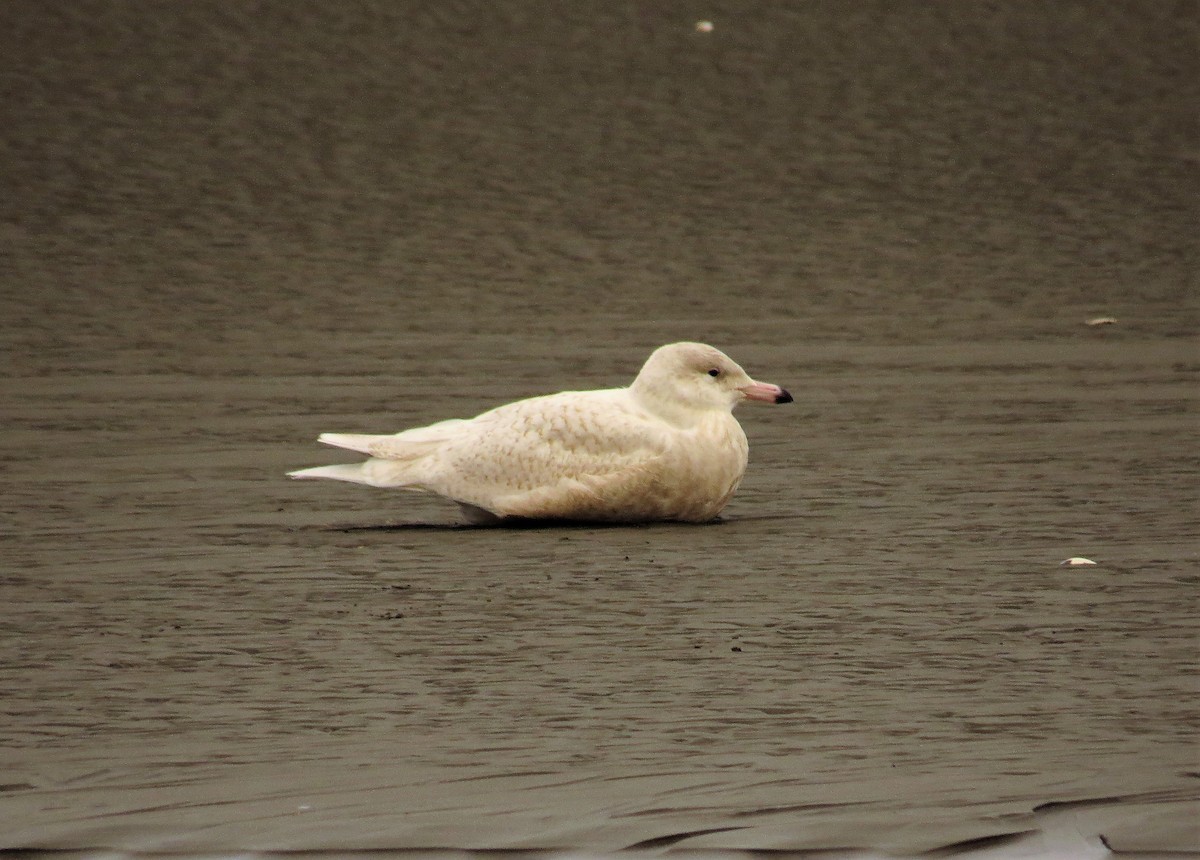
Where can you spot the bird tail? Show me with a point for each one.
(360, 442)
(373, 473)
(410, 445)
(396, 460)
(348, 472)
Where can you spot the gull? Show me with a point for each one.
(667, 447)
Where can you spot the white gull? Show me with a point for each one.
(665, 448)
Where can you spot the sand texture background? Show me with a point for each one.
(225, 228)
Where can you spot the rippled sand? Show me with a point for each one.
(229, 232)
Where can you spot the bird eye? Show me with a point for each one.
(714, 372)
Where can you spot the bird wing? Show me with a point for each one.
(406, 445)
(540, 457)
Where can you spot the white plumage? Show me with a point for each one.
(665, 448)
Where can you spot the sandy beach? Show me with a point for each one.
(227, 229)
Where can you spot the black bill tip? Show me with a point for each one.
(783, 397)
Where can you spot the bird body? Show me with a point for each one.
(665, 448)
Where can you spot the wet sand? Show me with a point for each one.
(225, 233)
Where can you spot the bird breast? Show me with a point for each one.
(703, 469)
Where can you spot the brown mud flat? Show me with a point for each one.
(875, 646)
(226, 233)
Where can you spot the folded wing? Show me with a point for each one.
(562, 455)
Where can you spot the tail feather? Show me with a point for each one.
(360, 442)
(396, 461)
(402, 446)
(348, 472)
(373, 473)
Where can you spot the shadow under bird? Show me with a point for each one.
(665, 448)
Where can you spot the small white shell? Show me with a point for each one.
(1095, 321)
(704, 26)
(1075, 561)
